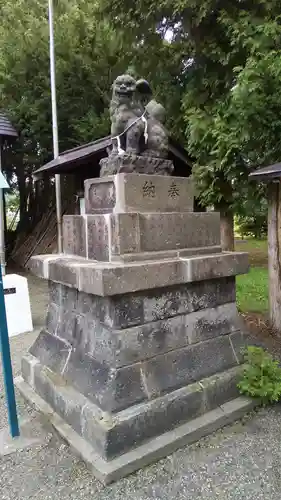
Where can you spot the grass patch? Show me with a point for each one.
(257, 251)
(252, 288)
(252, 291)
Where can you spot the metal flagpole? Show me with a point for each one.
(55, 123)
(2, 229)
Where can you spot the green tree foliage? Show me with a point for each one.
(229, 81)
(89, 55)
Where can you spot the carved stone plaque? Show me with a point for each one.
(100, 197)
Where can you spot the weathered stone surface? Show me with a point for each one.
(105, 237)
(118, 279)
(133, 163)
(68, 298)
(112, 435)
(221, 387)
(125, 233)
(136, 425)
(74, 235)
(98, 237)
(51, 351)
(183, 299)
(138, 193)
(107, 279)
(165, 254)
(111, 389)
(123, 311)
(185, 366)
(113, 385)
(100, 196)
(126, 310)
(104, 327)
(55, 292)
(159, 337)
(53, 318)
(64, 271)
(39, 264)
(178, 230)
(216, 266)
(239, 341)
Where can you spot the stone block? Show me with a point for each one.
(51, 351)
(53, 318)
(67, 327)
(39, 264)
(178, 231)
(159, 337)
(125, 311)
(74, 235)
(98, 237)
(183, 299)
(138, 193)
(55, 292)
(125, 233)
(169, 371)
(114, 434)
(107, 279)
(126, 329)
(216, 266)
(68, 299)
(132, 309)
(131, 278)
(221, 387)
(100, 195)
(112, 389)
(134, 426)
(64, 271)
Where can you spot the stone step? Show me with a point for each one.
(131, 373)
(143, 434)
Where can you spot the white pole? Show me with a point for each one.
(2, 227)
(55, 123)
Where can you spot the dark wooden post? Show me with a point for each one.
(274, 255)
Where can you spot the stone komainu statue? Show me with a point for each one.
(139, 138)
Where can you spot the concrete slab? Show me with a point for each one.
(151, 451)
(32, 433)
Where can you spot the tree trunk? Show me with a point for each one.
(274, 247)
(227, 230)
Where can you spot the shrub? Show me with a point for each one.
(262, 376)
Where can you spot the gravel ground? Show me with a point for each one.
(241, 462)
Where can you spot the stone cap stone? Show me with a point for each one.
(142, 193)
(108, 278)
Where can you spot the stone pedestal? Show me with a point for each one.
(142, 333)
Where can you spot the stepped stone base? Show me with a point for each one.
(108, 471)
(142, 333)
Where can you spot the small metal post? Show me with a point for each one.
(2, 226)
(7, 365)
(55, 124)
